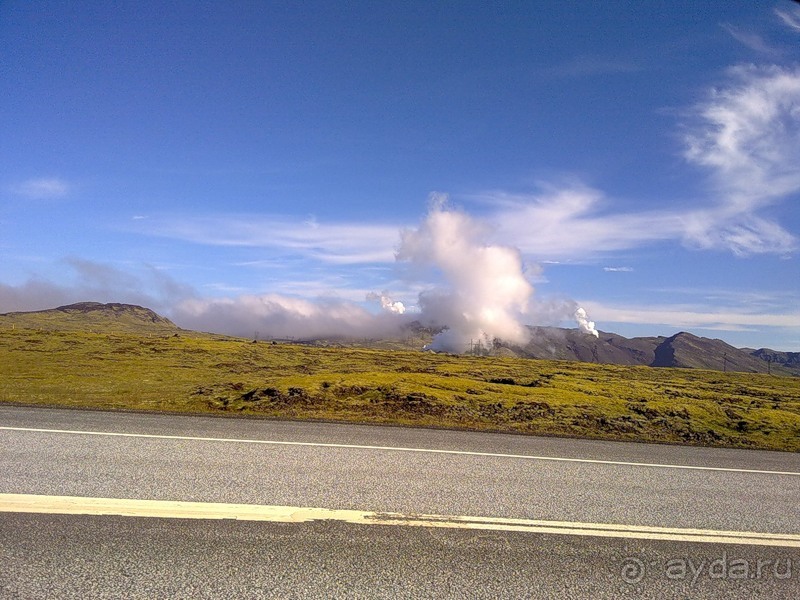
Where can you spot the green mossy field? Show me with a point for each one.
(199, 373)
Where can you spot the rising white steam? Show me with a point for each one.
(486, 292)
(387, 304)
(585, 325)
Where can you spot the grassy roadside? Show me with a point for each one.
(221, 375)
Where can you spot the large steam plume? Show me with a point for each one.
(486, 292)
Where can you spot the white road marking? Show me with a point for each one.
(396, 449)
(75, 505)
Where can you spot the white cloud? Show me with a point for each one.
(790, 19)
(571, 224)
(692, 316)
(618, 269)
(749, 136)
(335, 243)
(41, 189)
(331, 287)
(568, 223)
(747, 234)
(751, 40)
(275, 315)
(771, 301)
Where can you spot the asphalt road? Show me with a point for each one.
(382, 469)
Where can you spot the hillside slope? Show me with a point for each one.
(93, 316)
(682, 350)
(570, 344)
(236, 377)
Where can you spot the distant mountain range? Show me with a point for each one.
(682, 350)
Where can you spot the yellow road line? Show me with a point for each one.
(75, 505)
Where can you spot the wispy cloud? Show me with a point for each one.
(767, 301)
(576, 223)
(752, 40)
(747, 134)
(618, 269)
(334, 243)
(692, 316)
(571, 223)
(743, 233)
(790, 19)
(41, 189)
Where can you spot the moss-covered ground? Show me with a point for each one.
(207, 374)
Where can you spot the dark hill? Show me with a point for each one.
(789, 360)
(682, 350)
(116, 310)
(571, 344)
(93, 316)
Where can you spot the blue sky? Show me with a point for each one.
(274, 166)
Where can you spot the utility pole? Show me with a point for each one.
(724, 362)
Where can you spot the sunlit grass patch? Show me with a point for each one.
(213, 374)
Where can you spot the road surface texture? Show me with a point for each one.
(342, 511)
